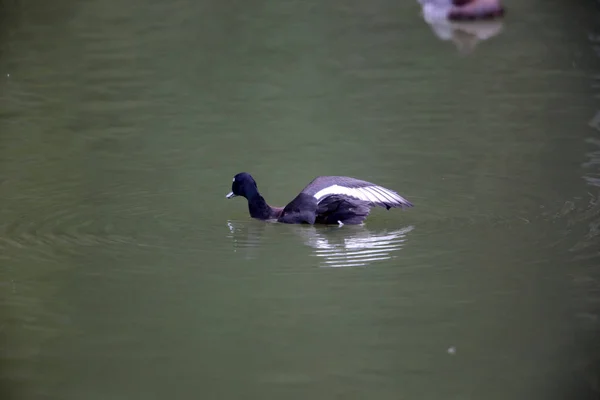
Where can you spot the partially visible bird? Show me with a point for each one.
(462, 10)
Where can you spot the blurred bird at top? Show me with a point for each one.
(464, 22)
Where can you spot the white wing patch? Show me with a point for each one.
(372, 194)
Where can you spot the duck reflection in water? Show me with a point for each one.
(350, 246)
(357, 247)
(464, 22)
(246, 237)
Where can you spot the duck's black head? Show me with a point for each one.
(243, 185)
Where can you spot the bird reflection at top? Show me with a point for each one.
(464, 22)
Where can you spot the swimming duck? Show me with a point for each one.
(462, 10)
(325, 200)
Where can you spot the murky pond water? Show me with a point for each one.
(125, 273)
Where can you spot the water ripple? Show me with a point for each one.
(246, 237)
(69, 229)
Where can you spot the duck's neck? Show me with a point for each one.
(259, 208)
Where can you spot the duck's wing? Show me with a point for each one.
(334, 209)
(344, 186)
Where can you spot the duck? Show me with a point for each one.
(325, 200)
(462, 10)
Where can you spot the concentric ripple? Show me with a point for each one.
(68, 230)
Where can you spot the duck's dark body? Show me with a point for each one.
(326, 200)
(466, 10)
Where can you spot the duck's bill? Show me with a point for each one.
(230, 195)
